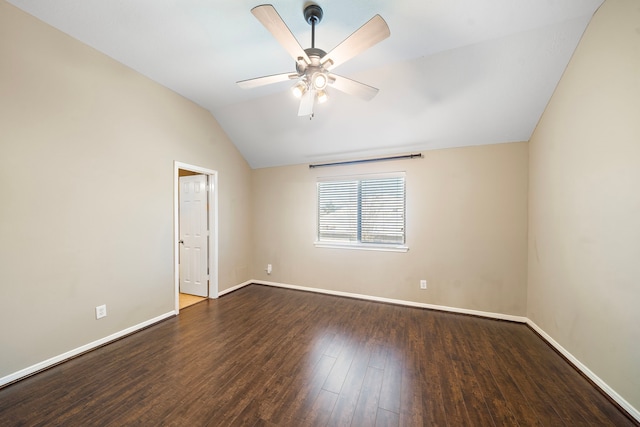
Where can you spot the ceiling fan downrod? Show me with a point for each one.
(313, 16)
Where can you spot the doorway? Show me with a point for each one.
(210, 242)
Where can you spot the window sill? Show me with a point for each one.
(362, 247)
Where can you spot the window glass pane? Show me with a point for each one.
(382, 207)
(338, 211)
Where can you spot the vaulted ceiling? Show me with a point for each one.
(453, 72)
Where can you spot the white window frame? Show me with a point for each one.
(389, 247)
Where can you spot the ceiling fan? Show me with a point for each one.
(313, 65)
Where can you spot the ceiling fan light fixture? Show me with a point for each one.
(322, 96)
(319, 80)
(299, 89)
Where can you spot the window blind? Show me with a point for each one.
(367, 211)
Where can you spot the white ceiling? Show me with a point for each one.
(453, 73)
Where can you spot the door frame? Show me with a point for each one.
(212, 238)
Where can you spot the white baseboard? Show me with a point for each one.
(235, 288)
(82, 349)
(586, 371)
(488, 314)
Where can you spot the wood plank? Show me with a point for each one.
(340, 369)
(391, 383)
(498, 405)
(321, 409)
(438, 404)
(349, 394)
(386, 418)
(366, 408)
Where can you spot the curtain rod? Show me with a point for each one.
(378, 159)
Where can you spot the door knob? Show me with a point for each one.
(181, 242)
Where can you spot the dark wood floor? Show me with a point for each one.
(264, 356)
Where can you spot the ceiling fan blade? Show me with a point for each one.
(374, 31)
(266, 80)
(272, 21)
(352, 87)
(306, 103)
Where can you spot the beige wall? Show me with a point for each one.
(584, 235)
(466, 231)
(86, 192)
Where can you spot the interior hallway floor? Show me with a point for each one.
(186, 300)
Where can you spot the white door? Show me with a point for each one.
(194, 259)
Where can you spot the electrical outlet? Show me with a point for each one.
(269, 268)
(101, 311)
(423, 284)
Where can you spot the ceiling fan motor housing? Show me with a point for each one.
(314, 73)
(315, 55)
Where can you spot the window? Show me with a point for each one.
(363, 212)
